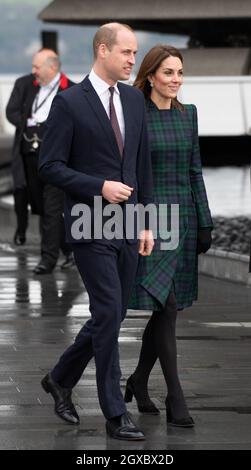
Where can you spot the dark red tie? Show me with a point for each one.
(115, 124)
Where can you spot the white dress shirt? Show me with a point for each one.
(42, 113)
(102, 89)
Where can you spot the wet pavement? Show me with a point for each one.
(40, 316)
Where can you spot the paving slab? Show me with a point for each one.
(40, 316)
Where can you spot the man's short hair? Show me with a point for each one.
(52, 57)
(107, 34)
(53, 61)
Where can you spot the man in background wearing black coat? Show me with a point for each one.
(27, 110)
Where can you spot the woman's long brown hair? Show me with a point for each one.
(150, 65)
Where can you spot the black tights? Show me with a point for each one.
(159, 342)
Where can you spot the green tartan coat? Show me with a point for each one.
(177, 179)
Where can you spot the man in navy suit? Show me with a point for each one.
(96, 144)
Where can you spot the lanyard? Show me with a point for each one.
(35, 106)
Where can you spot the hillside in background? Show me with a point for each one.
(20, 38)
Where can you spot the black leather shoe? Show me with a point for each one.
(42, 268)
(144, 403)
(186, 422)
(69, 262)
(19, 238)
(123, 428)
(64, 407)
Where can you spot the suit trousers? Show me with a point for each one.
(48, 202)
(108, 270)
(34, 183)
(52, 225)
(21, 201)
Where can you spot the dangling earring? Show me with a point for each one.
(151, 84)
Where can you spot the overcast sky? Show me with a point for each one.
(20, 37)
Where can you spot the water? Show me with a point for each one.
(228, 191)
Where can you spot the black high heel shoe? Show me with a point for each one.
(177, 422)
(145, 405)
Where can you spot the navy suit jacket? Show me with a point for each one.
(79, 150)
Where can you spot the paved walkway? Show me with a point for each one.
(39, 317)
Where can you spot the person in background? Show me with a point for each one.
(28, 109)
(20, 191)
(168, 280)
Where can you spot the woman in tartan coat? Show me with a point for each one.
(167, 281)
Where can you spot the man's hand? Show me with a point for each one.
(115, 192)
(146, 243)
